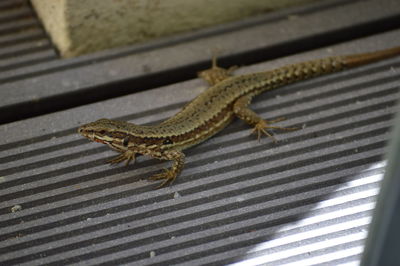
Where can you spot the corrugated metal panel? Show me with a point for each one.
(305, 200)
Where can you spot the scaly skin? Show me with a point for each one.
(211, 111)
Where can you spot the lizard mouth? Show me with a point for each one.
(98, 140)
(89, 134)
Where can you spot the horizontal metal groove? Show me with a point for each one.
(161, 251)
(48, 162)
(10, 4)
(323, 251)
(280, 106)
(30, 62)
(21, 25)
(132, 205)
(140, 242)
(353, 259)
(30, 48)
(52, 174)
(31, 35)
(41, 151)
(14, 14)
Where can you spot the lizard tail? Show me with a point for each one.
(366, 58)
(305, 70)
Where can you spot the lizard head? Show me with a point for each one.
(122, 136)
(102, 131)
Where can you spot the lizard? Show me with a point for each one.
(227, 97)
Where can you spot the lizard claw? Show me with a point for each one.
(169, 176)
(128, 156)
(262, 125)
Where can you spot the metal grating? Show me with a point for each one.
(304, 200)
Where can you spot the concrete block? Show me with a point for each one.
(80, 27)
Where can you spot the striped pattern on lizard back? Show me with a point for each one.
(219, 98)
(211, 111)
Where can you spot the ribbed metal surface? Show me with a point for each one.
(305, 200)
(22, 40)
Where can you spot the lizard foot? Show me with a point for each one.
(128, 156)
(169, 175)
(262, 126)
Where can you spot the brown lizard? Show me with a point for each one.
(212, 110)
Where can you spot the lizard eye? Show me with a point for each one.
(102, 132)
(125, 142)
(167, 141)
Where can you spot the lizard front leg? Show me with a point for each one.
(169, 175)
(242, 111)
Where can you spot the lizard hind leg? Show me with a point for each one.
(241, 110)
(216, 74)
